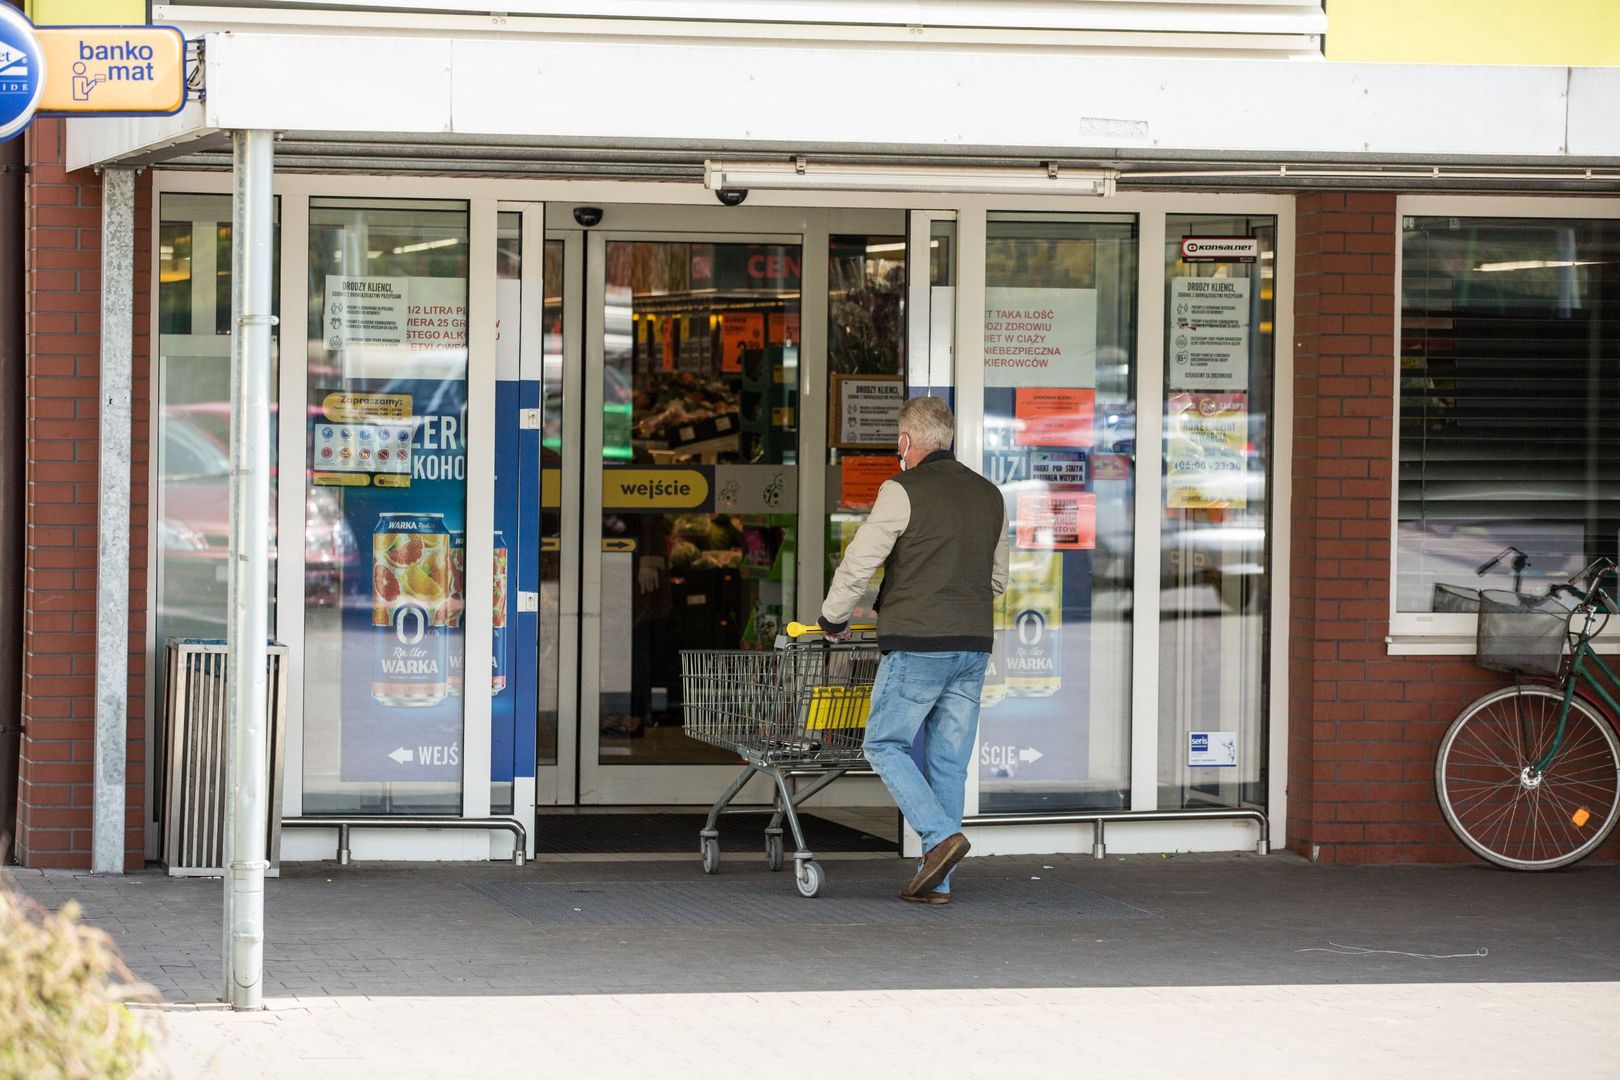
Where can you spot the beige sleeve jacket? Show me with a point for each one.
(891, 512)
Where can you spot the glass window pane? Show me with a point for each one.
(387, 500)
(1508, 448)
(193, 425)
(1059, 433)
(1214, 551)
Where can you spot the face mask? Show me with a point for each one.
(901, 454)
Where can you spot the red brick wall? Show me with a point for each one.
(59, 584)
(1363, 725)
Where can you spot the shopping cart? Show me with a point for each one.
(799, 708)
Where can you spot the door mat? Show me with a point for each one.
(579, 834)
(844, 901)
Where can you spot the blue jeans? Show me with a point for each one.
(937, 692)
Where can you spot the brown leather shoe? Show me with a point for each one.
(936, 864)
(933, 898)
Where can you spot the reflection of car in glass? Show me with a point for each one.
(617, 404)
(1195, 547)
(194, 467)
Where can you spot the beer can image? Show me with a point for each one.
(497, 660)
(455, 611)
(410, 587)
(995, 672)
(1034, 651)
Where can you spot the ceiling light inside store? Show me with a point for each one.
(1533, 264)
(427, 245)
(803, 175)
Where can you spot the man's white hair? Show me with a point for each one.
(929, 422)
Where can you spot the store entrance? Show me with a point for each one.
(682, 375)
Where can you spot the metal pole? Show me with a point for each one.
(108, 825)
(13, 469)
(248, 808)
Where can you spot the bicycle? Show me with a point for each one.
(1528, 776)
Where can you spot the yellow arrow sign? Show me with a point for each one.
(113, 69)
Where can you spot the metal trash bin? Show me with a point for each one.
(196, 710)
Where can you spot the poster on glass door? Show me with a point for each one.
(401, 367)
(1040, 376)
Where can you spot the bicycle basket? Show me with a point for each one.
(1455, 598)
(1521, 633)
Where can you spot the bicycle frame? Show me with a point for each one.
(1579, 672)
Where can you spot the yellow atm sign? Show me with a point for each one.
(113, 69)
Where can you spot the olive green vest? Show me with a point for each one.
(936, 594)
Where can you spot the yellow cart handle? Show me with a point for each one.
(799, 629)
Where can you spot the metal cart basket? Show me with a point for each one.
(798, 708)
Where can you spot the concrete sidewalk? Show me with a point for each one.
(1141, 965)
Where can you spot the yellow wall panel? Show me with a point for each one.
(1573, 33)
(87, 12)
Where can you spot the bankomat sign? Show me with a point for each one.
(87, 70)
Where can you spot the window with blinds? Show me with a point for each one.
(1509, 472)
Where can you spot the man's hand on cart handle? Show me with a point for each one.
(829, 632)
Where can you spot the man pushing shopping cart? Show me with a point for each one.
(939, 530)
(823, 699)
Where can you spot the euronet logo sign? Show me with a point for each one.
(22, 72)
(87, 70)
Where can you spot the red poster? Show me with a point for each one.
(1051, 416)
(784, 328)
(861, 476)
(1057, 521)
(668, 335)
(740, 330)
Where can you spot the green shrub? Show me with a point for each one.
(62, 992)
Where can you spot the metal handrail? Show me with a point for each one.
(1098, 819)
(344, 824)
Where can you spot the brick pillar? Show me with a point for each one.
(1363, 725)
(59, 574)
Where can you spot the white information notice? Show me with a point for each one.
(868, 410)
(1209, 334)
(363, 311)
(1212, 749)
(1040, 337)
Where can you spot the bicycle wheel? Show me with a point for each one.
(1505, 812)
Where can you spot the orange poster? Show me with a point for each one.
(1060, 521)
(667, 326)
(861, 476)
(784, 328)
(739, 331)
(1052, 416)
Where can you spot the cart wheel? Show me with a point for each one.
(808, 879)
(773, 851)
(711, 855)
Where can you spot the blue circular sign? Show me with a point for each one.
(22, 71)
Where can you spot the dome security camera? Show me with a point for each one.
(588, 216)
(731, 196)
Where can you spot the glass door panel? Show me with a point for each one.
(387, 370)
(699, 448)
(1059, 435)
(1214, 596)
(866, 367)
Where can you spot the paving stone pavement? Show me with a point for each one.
(1264, 965)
